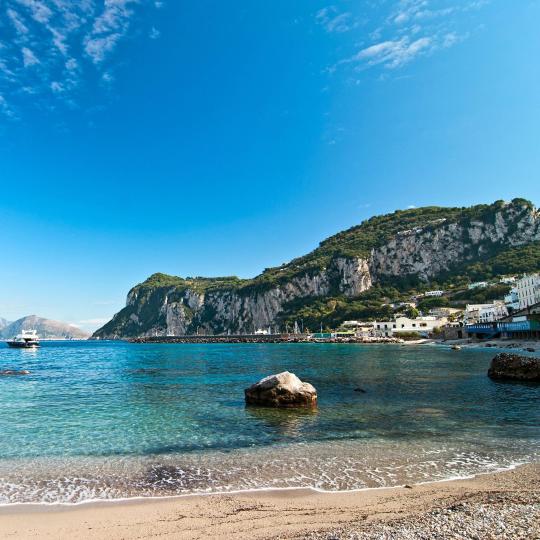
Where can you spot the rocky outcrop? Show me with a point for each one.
(357, 259)
(515, 367)
(438, 247)
(282, 390)
(241, 310)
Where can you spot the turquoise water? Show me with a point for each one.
(99, 420)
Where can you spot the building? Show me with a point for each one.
(478, 285)
(528, 290)
(433, 293)
(511, 300)
(421, 325)
(361, 329)
(484, 313)
(452, 331)
(522, 324)
(508, 280)
(323, 335)
(445, 312)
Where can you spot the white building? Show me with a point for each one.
(478, 285)
(484, 313)
(508, 280)
(444, 311)
(511, 300)
(360, 328)
(433, 293)
(528, 290)
(422, 325)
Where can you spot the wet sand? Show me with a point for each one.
(511, 498)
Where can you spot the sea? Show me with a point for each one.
(107, 420)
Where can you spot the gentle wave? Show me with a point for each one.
(325, 467)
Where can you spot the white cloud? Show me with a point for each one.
(17, 21)
(29, 58)
(332, 21)
(39, 10)
(68, 43)
(393, 54)
(407, 30)
(57, 87)
(108, 29)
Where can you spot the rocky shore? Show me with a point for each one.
(500, 515)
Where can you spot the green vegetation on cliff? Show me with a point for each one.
(485, 259)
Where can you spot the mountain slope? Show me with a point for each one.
(405, 249)
(3, 323)
(46, 328)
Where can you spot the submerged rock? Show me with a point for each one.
(9, 372)
(281, 390)
(514, 367)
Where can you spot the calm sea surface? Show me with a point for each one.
(100, 420)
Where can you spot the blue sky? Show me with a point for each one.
(219, 138)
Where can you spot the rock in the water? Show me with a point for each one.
(515, 367)
(9, 372)
(281, 390)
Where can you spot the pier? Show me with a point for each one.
(258, 338)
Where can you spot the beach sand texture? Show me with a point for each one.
(498, 505)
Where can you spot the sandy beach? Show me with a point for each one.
(498, 505)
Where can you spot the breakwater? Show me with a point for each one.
(256, 338)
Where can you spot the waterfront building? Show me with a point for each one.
(522, 324)
(421, 325)
(483, 313)
(361, 329)
(528, 290)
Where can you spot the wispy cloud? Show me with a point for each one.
(405, 31)
(393, 54)
(29, 58)
(334, 21)
(52, 48)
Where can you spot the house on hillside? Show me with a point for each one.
(478, 285)
(433, 293)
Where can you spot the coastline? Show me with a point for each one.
(279, 513)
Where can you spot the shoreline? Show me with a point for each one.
(265, 513)
(45, 506)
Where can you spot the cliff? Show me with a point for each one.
(407, 247)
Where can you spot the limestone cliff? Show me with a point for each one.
(420, 244)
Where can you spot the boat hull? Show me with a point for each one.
(22, 345)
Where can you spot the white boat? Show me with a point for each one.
(27, 339)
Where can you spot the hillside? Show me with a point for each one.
(349, 275)
(46, 328)
(3, 323)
